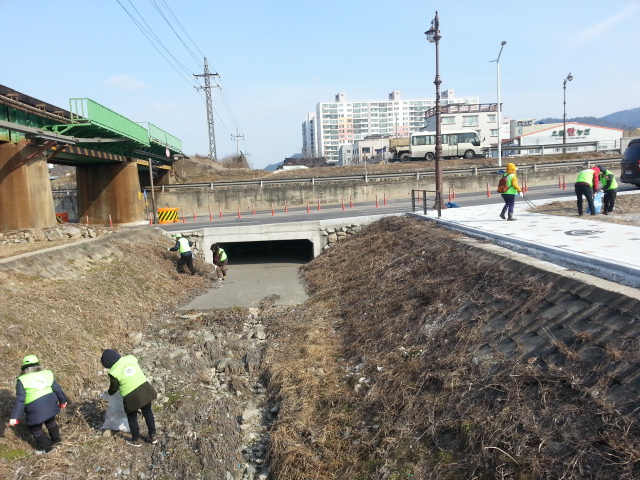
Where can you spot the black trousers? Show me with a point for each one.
(609, 200)
(149, 419)
(188, 261)
(587, 192)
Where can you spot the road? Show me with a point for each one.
(360, 210)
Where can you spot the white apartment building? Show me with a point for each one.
(480, 117)
(309, 136)
(341, 122)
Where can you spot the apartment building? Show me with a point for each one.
(479, 117)
(341, 122)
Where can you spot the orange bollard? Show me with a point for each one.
(488, 191)
(253, 208)
(110, 222)
(308, 209)
(273, 212)
(220, 207)
(564, 183)
(318, 204)
(210, 215)
(418, 195)
(450, 194)
(385, 198)
(350, 202)
(286, 207)
(150, 219)
(454, 192)
(194, 214)
(239, 216)
(342, 203)
(183, 219)
(377, 206)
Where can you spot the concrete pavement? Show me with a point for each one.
(607, 250)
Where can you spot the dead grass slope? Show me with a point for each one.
(377, 375)
(68, 322)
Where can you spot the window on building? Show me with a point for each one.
(470, 120)
(448, 120)
(493, 132)
(491, 118)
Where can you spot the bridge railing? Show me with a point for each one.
(163, 138)
(87, 111)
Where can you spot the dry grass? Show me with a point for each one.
(394, 318)
(626, 211)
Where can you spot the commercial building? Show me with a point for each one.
(340, 122)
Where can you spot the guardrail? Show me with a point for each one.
(377, 176)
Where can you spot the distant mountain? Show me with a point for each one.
(625, 119)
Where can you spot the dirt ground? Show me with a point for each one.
(626, 211)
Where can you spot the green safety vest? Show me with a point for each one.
(614, 183)
(586, 176)
(511, 190)
(222, 255)
(37, 384)
(128, 373)
(184, 245)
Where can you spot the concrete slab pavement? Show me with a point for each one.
(248, 284)
(607, 250)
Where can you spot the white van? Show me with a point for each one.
(462, 143)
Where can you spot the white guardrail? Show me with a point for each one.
(373, 176)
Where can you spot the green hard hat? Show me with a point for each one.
(29, 360)
(177, 235)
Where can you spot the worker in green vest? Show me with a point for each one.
(183, 246)
(41, 398)
(125, 375)
(587, 185)
(220, 260)
(609, 189)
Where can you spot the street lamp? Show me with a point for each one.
(433, 36)
(564, 115)
(497, 60)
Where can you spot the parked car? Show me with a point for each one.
(630, 165)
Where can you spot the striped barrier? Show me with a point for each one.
(62, 217)
(168, 215)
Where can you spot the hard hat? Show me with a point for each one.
(177, 235)
(29, 360)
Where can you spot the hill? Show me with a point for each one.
(625, 119)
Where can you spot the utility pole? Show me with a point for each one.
(207, 88)
(237, 138)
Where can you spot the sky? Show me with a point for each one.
(276, 59)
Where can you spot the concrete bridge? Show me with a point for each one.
(114, 157)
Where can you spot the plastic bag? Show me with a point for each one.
(597, 203)
(115, 418)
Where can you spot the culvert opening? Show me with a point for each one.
(270, 251)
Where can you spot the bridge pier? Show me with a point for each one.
(109, 189)
(26, 200)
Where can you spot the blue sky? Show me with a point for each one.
(278, 58)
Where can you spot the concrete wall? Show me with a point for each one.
(232, 198)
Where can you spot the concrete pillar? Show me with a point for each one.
(25, 190)
(109, 189)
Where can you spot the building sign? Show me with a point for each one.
(573, 133)
(525, 123)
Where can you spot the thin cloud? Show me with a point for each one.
(599, 29)
(126, 82)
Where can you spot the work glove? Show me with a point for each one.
(13, 422)
(168, 249)
(63, 405)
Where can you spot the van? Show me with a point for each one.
(630, 165)
(464, 144)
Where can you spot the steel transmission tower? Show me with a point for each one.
(207, 89)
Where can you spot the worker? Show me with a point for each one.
(40, 396)
(587, 185)
(137, 393)
(609, 189)
(183, 245)
(512, 189)
(220, 260)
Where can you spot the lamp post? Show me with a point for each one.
(497, 60)
(564, 114)
(433, 36)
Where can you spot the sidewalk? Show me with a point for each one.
(607, 250)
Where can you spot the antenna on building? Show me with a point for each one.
(207, 89)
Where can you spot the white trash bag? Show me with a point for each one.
(115, 418)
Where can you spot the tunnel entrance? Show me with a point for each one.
(270, 251)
